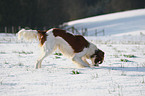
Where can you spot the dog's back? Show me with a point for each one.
(77, 42)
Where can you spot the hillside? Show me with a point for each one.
(115, 23)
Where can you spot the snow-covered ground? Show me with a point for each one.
(121, 74)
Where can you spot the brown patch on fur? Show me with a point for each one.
(42, 36)
(77, 42)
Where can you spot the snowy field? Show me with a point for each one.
(121, 74)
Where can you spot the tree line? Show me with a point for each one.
(51, 13)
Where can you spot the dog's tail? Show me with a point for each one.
(28, 34)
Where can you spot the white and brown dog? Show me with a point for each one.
(75, 47)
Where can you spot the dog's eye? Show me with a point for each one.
(92, 56)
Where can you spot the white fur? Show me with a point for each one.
(52, 43)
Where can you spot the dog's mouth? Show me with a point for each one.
(98, 63)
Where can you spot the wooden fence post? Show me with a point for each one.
(103, 32)
(12, 29)
(5, 29)
(19, 28)
(96, 32)
(81, 31)
(73, 29)
(86, 32)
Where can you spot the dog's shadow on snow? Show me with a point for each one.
(137, 69)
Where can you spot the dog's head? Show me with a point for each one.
(97, 57)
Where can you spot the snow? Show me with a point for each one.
(121, 74)
(115, 23)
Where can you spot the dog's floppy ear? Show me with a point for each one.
(99, 53)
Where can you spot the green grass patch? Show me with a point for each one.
(20, 64)
(2, 52)
(116, 56)
(58, 54)
(57, 57)
(23, 52)
(75, 72)
(6, 62)
(130, 56)
(124, 60)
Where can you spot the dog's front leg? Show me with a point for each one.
(46, 50)
(84, 59)
(79, 62)
(39, 61)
